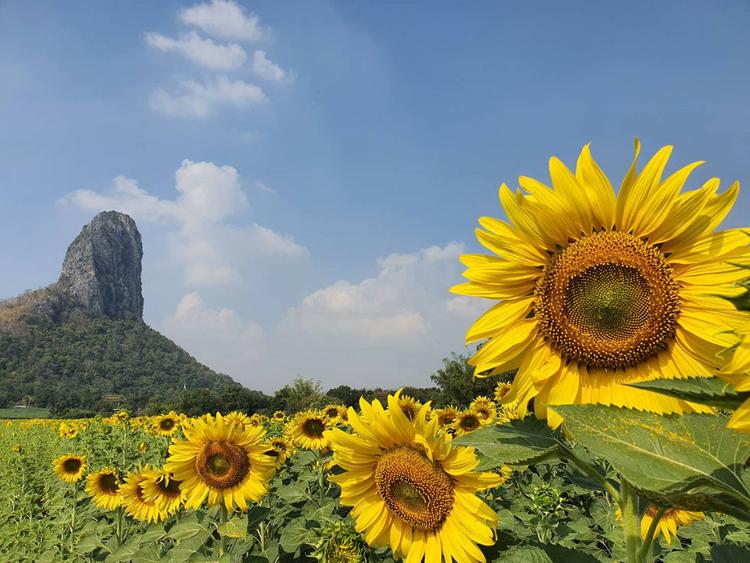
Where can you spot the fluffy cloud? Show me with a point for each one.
(208, 250)
(200, 50)
(208, 333)
(193, 99)
(226, 19)
(269, 70)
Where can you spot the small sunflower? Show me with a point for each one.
(447, 416)
(501, 391)
(279, 416)
(595, 290)
(484, 407)
(142, 447)
(104, 488)
(280, 449)
(136, 504)
(307, 428)
(671, 520)
(69, 467)
(166, 424)
(333, 413)
(238, 418)
(467, 421)
(409, 405)
(165, 491)
(221, 462)
(410, 487)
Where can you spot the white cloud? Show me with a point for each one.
(224, 18)
(269, 70)
(209, 333)
(203, 244)
(192, 99)
(199, 50)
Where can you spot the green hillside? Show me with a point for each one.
(94, 363)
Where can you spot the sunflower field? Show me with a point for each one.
(621, 434)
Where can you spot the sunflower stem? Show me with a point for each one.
(629, 509)
(118, 526)
(222, 537)
(645, 550)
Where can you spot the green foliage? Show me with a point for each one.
(457, 385)
(690, 461)
(96, 364)
(704, 390)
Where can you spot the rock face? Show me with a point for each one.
(102, 267)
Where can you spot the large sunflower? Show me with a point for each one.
(410, 487)
(104, 488)
(220, 461)
(597, 290)
(69, 467)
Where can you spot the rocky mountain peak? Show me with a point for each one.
(102, 267)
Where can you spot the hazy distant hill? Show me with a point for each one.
(81, 342)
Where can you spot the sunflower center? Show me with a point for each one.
(608, 301)
(415, 489)
(222, 465)
(332, 413)
(168, 487)
(108, 484)
(313, 428)
(469, 422)
(166, 424)
(72, 465)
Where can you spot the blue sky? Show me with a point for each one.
(334, 157)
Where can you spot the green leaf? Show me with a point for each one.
(692, 461)
(521, 442)
(234, 528)
(185, 530)
(730, 553)
(257, 514)
(704, 390)
(525, 554)
(293, 536)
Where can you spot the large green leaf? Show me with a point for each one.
(521, 442)
(692, 461)
(705, 390)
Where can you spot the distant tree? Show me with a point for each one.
(302, 394)
(457, 385)
(345, 395)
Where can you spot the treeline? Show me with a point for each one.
(454, 385)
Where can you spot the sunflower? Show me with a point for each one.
(409, 406)
(670, 521)
(69, 467)
(220, 461)
(136, 504)
(467, 421)
(279, 416)
(737, 372)
(597, 291)
(447, 415)
(307, 428)
(280, 449)
(104, 488)
(166, 424)
(165, 491)
(333, 413)
(238, 418)
(410, 487)
(501, 390)
(484, 407)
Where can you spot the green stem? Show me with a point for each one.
(591, 471)
(629, 509)
(645, 550)
(118, 526)
(222, 538)
(73, 520)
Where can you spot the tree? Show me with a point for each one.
(301, 395)
(457, 383)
